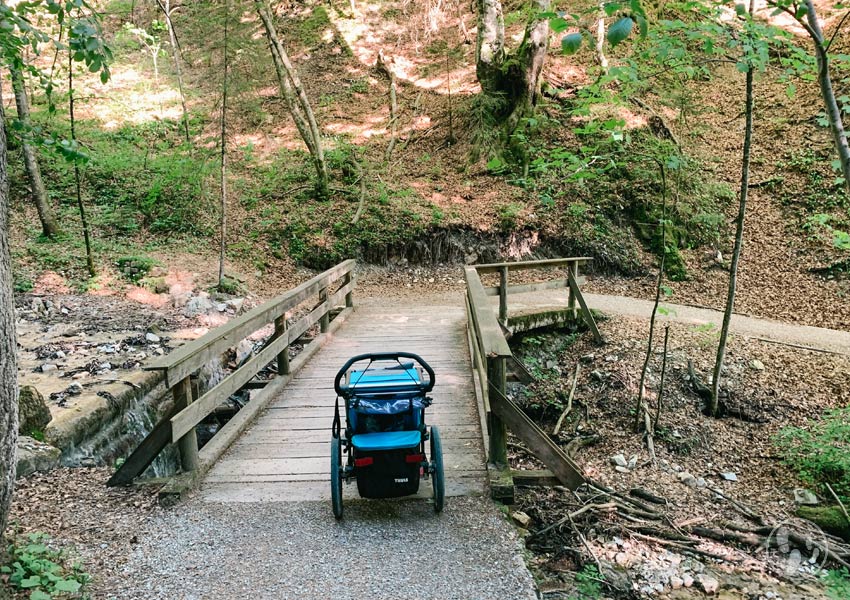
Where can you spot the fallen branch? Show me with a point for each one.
(569, 402)
(840, 503)
(648, 496)
(362, 179)
(587, 507)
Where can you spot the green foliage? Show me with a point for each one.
(40, 571)
(135, 268)
(508, 215)
(838, 584)
(820, 451)
(22, 284)
(311, 29)
(587, 583)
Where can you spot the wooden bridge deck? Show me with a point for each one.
(285, 454)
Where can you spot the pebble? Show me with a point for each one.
(676, 582)
(75, 389)
(729, 476)
(619, 460)
(804, 496)
(152, 338)
(708, 583)
(687, 580)
(633, 461)
(757, 365)
(47, 368)
(688, 479)
(620, 469)
(521, 519)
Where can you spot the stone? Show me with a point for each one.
(756, 365)
(35, 456)
(521, 519)
(828, 518)
(805, 497)
(621, 558)
(687, 580)
(598, 375)
(152, 338)
(619, 460)
(620, 469)
(676, 582)
(75, 389)
(221, 306)
(701, 483)
(708, 583)
(236, 304)
(588, 358)
(48, 367)
(33, 413)
(196, 306)
(59, 354)
(688, 479)
(632, 461)
(729, 476)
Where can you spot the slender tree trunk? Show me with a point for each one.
(296, 97)
(600, 40)
(77, 176)
(8, 350)
(836, 125)
(490, 48)
(530, 57)
(223, 245)
(739, 242)
(178, 70)
(49, 226)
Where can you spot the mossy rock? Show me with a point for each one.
(829, 518)
(33, 413)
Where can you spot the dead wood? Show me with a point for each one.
(645, 494)
(569, 402)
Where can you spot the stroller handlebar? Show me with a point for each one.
(383, 356)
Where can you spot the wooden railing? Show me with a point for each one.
(492, 358)
(332, 288)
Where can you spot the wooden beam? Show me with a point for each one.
(532, 264)
(571, 301)
(567, 472)
(539, 478)
(585, 311)
(191, 356)
(503, 295)
(539, 286)
(187, 442)
(495, 425)
(145, 453)
(493, 342)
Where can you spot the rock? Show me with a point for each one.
(236, 304)
(196, 306)
(688, 479)
(676, 467)
(621, 558)
(152, 338)
(221, 306)
(829, 518)
(756, 365)
(805, 497)
(701, 483)
(75, 389)
(632, 461)
(598, 375)
(471, 258)
(620, 469)
(33, 413)
(37, 305)
(676, 582)
(588, 358)
(35, 456)
(243, 350)
(521, 519)
(708, 583)
(619, 460)
(687, 580)
(59, 354)
(47, 368)
(729, 476)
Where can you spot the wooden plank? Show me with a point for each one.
(197, 411)
(531, 264)
(539, 286)
(588, 316)
(540, 478)
(493, 342)
(191, 356)
(188, 441)
(503, 295)
(537, 441)
(495, 425)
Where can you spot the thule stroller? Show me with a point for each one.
(383, 445)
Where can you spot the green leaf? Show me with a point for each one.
(610, 8)
(40, 595)
(620, 30)
(791, 90)
(558, 24)
(571, 43)
(742, 66)
(495, 164)
(68, 585)
(31, 582)
(836, 164)
(740, 9)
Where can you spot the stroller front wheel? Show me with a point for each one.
(336, 476)
(437, 477)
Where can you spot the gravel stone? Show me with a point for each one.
(393, 550)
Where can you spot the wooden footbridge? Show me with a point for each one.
(277, 447)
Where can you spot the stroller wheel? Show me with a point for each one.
(336, 476)
(437, 478)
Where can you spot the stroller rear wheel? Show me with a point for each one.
(336, 476)
(437, 477)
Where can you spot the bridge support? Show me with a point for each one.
(188, 444)
(497, 430)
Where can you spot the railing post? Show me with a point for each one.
(496, 427)
(573, 268)
(326, 317)
(283, 355)
(188, 444)
(349, 297)
(503, 295)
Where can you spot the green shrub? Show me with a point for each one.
(820, 452)
(36, 568)
(135, 268)
(838, 584)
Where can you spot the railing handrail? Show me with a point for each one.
(191, 356)
(525, 265)
(490, 336)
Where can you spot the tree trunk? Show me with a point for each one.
(178, 71)
(739, 242)
(49, 226)
(827, 93)
(223, 222)
(8, 349)
(296, 98)
(512, 81)
(77, 176)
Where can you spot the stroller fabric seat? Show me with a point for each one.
(386, 440)
(381, 381)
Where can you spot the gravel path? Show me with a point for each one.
(394, 550)
(818, 338)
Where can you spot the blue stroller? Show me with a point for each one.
(383, 447)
